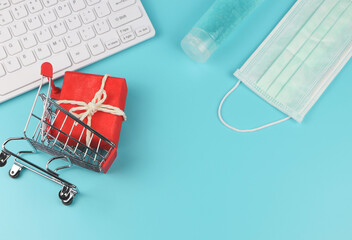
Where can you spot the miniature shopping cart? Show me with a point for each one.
(39, 133)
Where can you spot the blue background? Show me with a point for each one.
(180, 174)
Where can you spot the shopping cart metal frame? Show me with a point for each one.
(43, 139)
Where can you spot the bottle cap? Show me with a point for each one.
(198, 45)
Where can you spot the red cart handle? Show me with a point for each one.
(47, 71)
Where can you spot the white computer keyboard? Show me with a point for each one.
(68, 33)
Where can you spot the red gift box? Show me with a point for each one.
(83, 87)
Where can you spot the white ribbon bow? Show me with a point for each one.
(97, 104)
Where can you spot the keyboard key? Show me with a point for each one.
(72, 39)
(5, 35)
(11, 65)
(73, 22)
(96, 47)
(63, 10)
(92, 2)
(33, 22)
(18, 28)
(48, 16)
(79, 54)
(34, 6)
(4, 4)
(87, 33)
(28, 41)
(16, 1)
(112, 43)
(2, 53)
(27, 58)
(119, 19)
(19, 11)
(142, 31)
(77, 5)
(13, 47)
(128, 37)
(101, 26)
(117, 5)
(57, 45)
(59, 61)
(5, 18)
(2, 71)
(88, 16)
(124, 30)
(43, 35)
(42, 52)
(58, 28)
(49, 3)
(102, 10)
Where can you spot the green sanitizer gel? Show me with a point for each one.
(215, 26)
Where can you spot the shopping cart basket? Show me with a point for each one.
(43, 135)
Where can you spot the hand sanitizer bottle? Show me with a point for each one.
(214, 27)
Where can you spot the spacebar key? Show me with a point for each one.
(30, 74)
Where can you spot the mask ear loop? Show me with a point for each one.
(244, 130)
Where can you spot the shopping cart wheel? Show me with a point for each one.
(68, 201)
(2, 162)
(3, 158)
(13, 174)
(64, 193)
(15, 171)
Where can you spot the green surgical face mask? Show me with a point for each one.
(300, 58)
